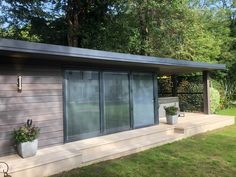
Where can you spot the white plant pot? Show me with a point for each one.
(172, 119)
(27, 149)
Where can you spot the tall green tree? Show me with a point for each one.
(57, 21)
(183, 29)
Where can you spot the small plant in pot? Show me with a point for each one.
(171, 115)
(26, 139)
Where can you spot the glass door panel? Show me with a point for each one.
(143, 99)
(82, 104)
(116, 102)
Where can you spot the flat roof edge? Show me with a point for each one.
(49, 49)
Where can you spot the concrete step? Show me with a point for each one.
(45, 163)
(202, 126)
(120, 136)
(68, 156)
(122, 148)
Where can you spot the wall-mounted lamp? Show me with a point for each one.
(19, 83)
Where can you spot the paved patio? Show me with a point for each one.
(64, 157)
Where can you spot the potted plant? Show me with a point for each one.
(171, 115)
(26, 139)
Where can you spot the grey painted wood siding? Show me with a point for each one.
(41, 100)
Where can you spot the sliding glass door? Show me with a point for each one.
(98, 103)
(82, 104)
(143, 99)
(116, 102)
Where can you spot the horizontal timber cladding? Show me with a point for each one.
(31, 86)
(30, 106)
(41, 100)
(29, 93)
(32, 80)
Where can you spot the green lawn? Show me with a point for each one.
(231, 112)
(207, 155)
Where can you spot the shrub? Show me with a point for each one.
(26, 133)
(229, 93)
(172, 110)
(215, 99)
(227, 90)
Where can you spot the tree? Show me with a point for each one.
(187, 29)
(58, 19)
(40, 18)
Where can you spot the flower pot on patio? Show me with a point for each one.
(171, 115)
(27, 149)
(172, 119)
(26, 139)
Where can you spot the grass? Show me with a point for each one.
(231, 112)
(211, 154)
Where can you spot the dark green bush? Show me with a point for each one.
(190, 90)
(192, 101)
(26, 133)
(172, 110)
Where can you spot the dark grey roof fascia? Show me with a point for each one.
(58, 50)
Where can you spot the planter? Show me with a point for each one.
(172, 119)
(27, 149)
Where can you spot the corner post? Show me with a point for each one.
(174, 86)
(156, 102)
(206, 92)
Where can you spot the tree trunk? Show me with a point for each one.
(143, 26)
(73, 23)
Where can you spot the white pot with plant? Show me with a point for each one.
(26, 139)
(171, 115)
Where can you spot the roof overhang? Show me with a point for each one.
(32, 50)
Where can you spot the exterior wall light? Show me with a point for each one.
(19, 83)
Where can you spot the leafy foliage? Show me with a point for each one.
(193, 99)
(172, 110)
(189, 89)
(215, 100)
(229, 92)
(26, 133)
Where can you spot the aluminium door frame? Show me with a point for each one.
(65, 97)
(101, 96)
(155, 98)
